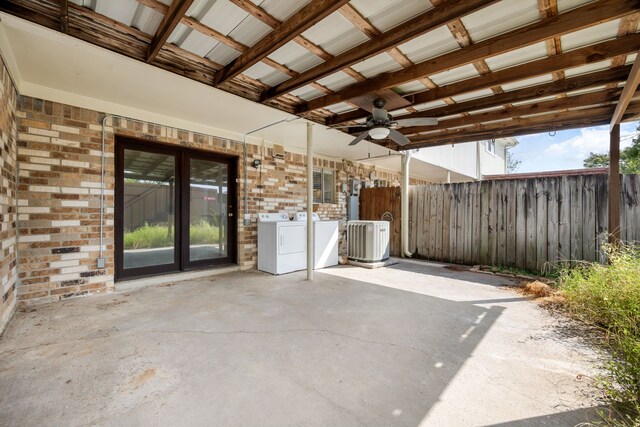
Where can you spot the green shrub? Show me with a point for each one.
(157, 236)
(608, 297)
(148, 236)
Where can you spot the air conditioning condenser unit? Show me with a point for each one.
(368, 241)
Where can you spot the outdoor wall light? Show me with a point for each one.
(379, 133)
(256, 163)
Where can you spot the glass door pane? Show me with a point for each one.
(149, 215)
(208, 208)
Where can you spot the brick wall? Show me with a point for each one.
(8, 269)
(59, 193)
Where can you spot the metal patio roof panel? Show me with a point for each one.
(589, 68)
(281, 9)
(222, 16)
(500, 18)
(307, 92)
(410, 87)
(546, 78)
(565, 5)
(129, 12)
(249, 31)
(381, 63)
(386, 14)
(454, 75)
(335, 34)
(598, 33)
(429, 45)
(340, 108)
(222, 54)
(472, 95)
(192, 40)
(295, 57)
(517, 57)
(337, 81)
(265, 74)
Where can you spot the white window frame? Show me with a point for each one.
(490, 146)
(332, 197)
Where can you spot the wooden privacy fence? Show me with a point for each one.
(523, 223)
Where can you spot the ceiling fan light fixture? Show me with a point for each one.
(379, 133)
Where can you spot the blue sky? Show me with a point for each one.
(567, 149)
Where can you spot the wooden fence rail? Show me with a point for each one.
(525, 223)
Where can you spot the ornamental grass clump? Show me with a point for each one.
(607, 296)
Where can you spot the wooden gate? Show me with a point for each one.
(383, 204)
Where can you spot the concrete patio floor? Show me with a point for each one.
(408, 345)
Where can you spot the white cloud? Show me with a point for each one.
(567, 149)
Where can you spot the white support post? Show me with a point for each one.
(310, 254)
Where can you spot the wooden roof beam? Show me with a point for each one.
(64, 16)
(583, 100)
(627, 93)
(579, 18)
(434, 18)
(521, 126)
(169, 21)
(299, 22)
(585, 81)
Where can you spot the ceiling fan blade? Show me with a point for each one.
(379, 114)
(419, 121)
(397, 137)
(360, 137)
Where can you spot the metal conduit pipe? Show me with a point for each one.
(246, 219)
(404, 206)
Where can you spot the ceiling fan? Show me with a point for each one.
(380, 125)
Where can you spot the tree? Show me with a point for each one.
(629, 158)
(512, 163)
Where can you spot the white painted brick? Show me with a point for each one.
(34, 238)
(8, 242)
(66, 223)
(35, 209)
(75, 203)
(65, 142)
(73, 190)
(33, 138)
(43, 132)
(90, 184)
(74, 255)
(75, 163)
(66, 129)
(45, 161)
(28, 152)
(78, 269)
(60, 264)
(44, 189)
(34, 167)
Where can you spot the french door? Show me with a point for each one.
(175, 209)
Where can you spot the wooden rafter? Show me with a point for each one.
(548, 9)
(583, 17)
(531, 93)
(521, 126)
(299, 22)
(64, 16)
(175, 13)
(627, 93)
(584, 100)
(413, 28)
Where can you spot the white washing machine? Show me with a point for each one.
(282, 244)
(326, 236)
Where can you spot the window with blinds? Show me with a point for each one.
(324, 183)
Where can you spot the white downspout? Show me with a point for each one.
(310, 254)
(404, 205)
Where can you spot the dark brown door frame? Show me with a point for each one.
(181, 253)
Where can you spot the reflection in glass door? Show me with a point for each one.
(208, 210)
(174, 209)
(149, 219)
